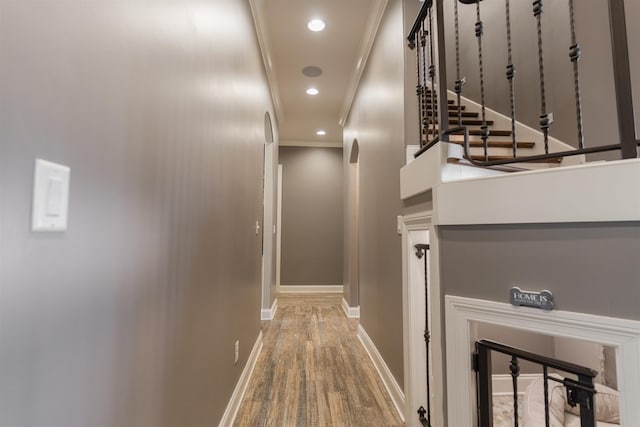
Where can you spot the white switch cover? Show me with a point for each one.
(50, 196)
(399, 224)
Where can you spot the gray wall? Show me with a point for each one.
(590, 268)
(377, 122)
(592, 26)
(129, 317)
(312, 188)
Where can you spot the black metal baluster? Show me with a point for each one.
(425, 89)
(514, 367)
(546, 119)
(432, 73)
(511, 74)
(412, 45)
(485, 129)
(459, 81)
(545, 371)
(574, 54)
(423, 250)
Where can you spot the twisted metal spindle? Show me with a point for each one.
(415, 45)
(546, 119)
(545, 371)
(514, 367)
(511, 74)
(432, 73)
(459, 81)
(485, 129)
(574, 54)
(425, 89)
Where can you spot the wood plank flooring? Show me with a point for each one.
(313, 371)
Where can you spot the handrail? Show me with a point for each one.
(418, 22)
(561, 365)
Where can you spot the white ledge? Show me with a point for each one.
(593, 192)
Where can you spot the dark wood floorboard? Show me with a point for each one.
(313, 371)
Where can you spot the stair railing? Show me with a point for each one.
(432, 100)
(579, 392)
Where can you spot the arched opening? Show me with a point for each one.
(352, 258)
(268, 219)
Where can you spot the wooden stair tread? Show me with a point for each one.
(492, 132)
(454, 113)
(480, 157)
(449, 101)
(497, 144)
(467, 122)
(451, 106)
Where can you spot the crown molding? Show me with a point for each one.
(373, 24)
(265, 48)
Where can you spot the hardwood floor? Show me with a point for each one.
(313, 371)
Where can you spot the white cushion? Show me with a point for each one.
(533, 414)
(607, 403)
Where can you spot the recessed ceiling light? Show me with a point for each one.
(312, 91)
(316, 25)
(321, 133)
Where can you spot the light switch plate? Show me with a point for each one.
(50, 196)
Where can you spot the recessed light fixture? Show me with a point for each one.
(321, 133)
(316, 25)
(312, 91)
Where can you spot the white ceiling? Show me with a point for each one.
(340, 51)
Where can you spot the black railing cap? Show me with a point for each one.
(536, 358)
(418, 22)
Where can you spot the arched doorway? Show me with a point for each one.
(268, 220)
(352, 258)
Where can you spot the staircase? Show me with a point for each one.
(500, 145)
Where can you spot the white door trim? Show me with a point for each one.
(413, 324)
(622, 334)
(278, 229)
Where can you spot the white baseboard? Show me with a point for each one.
(351, 312)
(269, 313)
(230, 413)
(502, 385)
(390, 383)
(316, 289)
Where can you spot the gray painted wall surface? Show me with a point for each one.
(312, 212)
(377, 122)
(590, 268)
(129, 317)
(597, 87)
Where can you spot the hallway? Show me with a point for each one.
(313, 371)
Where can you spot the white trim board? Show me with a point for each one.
(545, 196)
(502, 384)
(316, 289)
(414, 229)
(317, 144)
(622, 334)
(269, 313)
(350, 312)
(230, 413)
(390, 383)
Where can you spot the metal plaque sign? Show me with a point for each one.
(542, 299)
